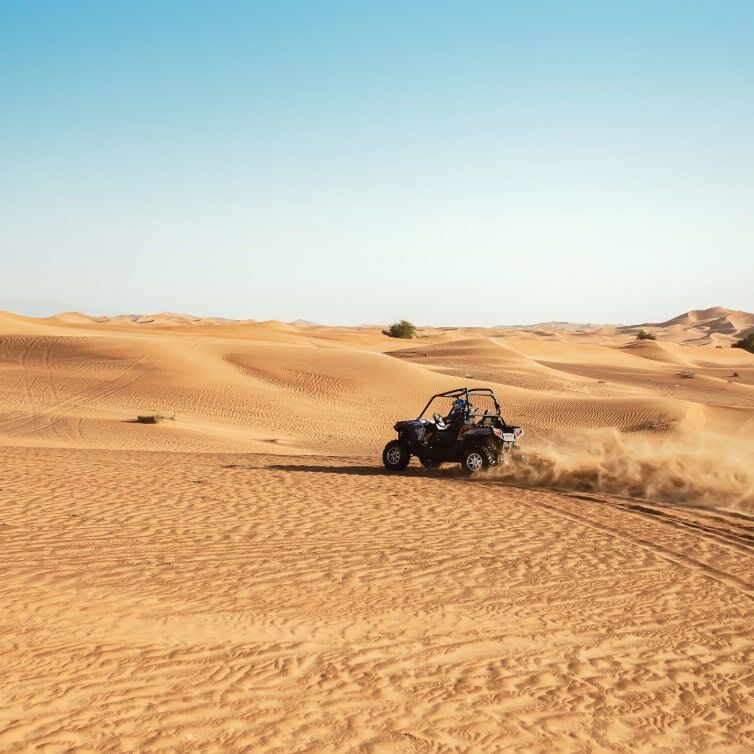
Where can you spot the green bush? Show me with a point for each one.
(746, 343)
(644, 335)
(402, 329)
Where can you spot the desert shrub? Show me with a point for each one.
(154, 418)
(403, 329)
(746, 343)
(644, 335)
(662, 422)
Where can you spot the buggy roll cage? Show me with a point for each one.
(465, 392)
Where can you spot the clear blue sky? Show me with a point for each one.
(346, 162)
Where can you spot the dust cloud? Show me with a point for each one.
(693, 468)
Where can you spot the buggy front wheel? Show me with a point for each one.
(395, 456)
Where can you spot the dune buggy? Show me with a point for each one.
(466, 427)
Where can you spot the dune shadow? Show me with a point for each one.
(350, 470)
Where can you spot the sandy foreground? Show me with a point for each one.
(246, 577)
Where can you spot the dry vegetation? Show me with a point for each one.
(154, 418)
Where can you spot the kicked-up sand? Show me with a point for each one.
(246, 577)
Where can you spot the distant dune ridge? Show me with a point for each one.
(699, 326)
(245, 576)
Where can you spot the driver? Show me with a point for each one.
(457, 415)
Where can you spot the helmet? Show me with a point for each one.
(458, 404)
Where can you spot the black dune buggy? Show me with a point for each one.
(466, 428)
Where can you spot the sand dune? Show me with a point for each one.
(716, 325)
(245, 577)
(708, 325)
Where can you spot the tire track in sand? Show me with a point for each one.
(680, 559)
(101, 390)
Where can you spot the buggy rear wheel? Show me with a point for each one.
(475, 459)
(395, 456)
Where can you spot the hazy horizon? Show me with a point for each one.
(42, 308)
(479, 165)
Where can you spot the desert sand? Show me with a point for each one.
(246, 577)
